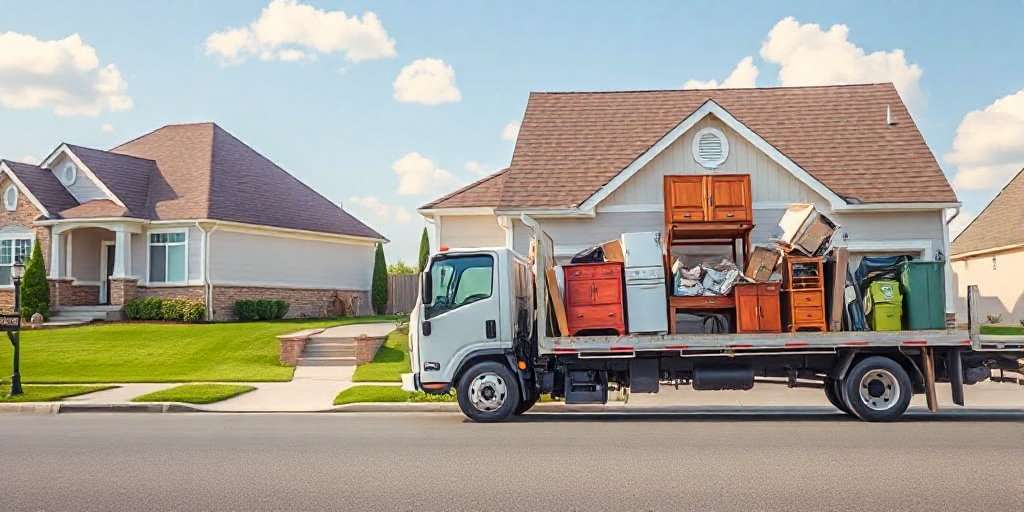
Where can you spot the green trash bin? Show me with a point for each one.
(924, 294)
(886, 305)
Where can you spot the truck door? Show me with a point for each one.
(463, 313)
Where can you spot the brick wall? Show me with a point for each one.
(122, 290)
(366, 348)
(23, 216)
(63, 293)
(196, 293)
(303, 302)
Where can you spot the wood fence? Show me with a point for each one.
(402, 290)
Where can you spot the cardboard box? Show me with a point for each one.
(806, 230)
(613, 251)
(762, 263)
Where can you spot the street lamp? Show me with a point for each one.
(14, 331)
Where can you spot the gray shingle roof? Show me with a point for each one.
(1000, 224)
(44, 186)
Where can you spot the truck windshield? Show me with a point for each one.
(458, 281)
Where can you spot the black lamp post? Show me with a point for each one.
(17, 271)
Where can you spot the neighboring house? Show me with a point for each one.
(990, 254)
(590, 165)
(186, 211)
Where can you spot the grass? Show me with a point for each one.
(362, 394)
(47, 393)
(390, 362)
(1004, 330)
(161, 352)
(195, 393)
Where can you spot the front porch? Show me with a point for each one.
(91, 265)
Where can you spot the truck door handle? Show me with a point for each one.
(426, 328)
(492, 329)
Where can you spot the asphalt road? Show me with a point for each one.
(809, 460)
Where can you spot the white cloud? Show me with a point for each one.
(808, 55)
(288, 30)
(418, 175)
(744, 75)
(381, 211)
(427, 81)
(961, 222)
(64, 75)
(989, 145)
(474, 167)
(510, 131)
(29, 159)
(107, 128)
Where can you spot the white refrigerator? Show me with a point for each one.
(646, 299)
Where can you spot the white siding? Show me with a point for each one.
(471, 231)
(83, 189)
(258, 260)
(140, 252)
(770, 183)
(1001, 288)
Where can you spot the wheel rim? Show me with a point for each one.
(487, 392)
(879, 390)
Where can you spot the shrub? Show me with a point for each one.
(262, 309)
(193, 312)
(35, 291)
(173, 310)
(379, 290)
(424, 250)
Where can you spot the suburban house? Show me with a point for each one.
(990, 254)
(185, 211)
(590, 166)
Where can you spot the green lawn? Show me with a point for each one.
(143, 352)
(391, 361)
(195, 393)
(360, 394)
(47, 393)
(1004, 330)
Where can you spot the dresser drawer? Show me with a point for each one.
(812, 314)
(806, 299)
(687, 215)
(595, 271)
(768, 289)
(729, 214)
(595, 316)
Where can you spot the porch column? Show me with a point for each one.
(55, 256)
(122, 253)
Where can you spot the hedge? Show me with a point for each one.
(260, 309)
(174, 310)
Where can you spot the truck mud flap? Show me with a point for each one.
(643, 376)
(955, 371)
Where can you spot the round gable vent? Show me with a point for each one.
(710, 148)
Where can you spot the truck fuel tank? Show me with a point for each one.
(716, 378)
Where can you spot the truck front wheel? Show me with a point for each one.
(488, 392)
(877, 389)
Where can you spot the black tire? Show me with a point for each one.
(481, 405)
(834, 395)
(877, 389)
(526, 405)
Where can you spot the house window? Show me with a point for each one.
(11, 250)
(11, 198)
(710, 148)
(168, 257)
(68, 174)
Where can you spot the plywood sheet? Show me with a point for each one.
(556, 301)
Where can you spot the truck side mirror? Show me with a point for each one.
(426, 288)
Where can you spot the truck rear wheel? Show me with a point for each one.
(488, 392)
(877, 389)
(834, 393)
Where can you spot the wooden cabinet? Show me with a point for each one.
(757, 308)
(803, 297)
(708, 198)
(593, 297)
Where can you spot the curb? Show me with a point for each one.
(31, 408)
(66, 407)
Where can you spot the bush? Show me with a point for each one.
(173, 310)
(379, 283)
(35, 291)
(260, 309)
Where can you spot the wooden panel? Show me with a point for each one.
(684, 198)
(607, 291)
(801, 315)
(807, 299)
(704, 302)
(770, 317)
(579, 293)
(768, 289)
(595, 317)
(729, 197)
(747, 311)
(556, 300)
(729, 214)
(745, 289)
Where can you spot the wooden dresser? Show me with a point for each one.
(593, 297)
(757, 307)
(707, 198)
(803, 294)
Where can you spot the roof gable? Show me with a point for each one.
(125, 177)
(571, 145)
(1000, 224)
(41, 187)
(484, 192)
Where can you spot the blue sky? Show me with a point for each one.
(330, 115)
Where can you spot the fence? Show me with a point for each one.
(402, 290)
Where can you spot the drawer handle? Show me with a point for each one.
(611, 315)
(579, 315)
(687, 216)
(730, 215)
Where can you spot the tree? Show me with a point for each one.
(424, 250)
(379, 293)
(35, 292)
(400, 268)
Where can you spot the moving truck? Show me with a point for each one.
(480, 327)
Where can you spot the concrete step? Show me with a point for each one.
(99, 307)
(327, 361)
(78, 317)
(329, 351)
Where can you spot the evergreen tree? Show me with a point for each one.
(424, 250)
(35, 292)
(379, 293)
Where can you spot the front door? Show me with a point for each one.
(108, 270)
